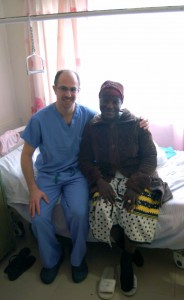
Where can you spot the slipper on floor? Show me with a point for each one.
(17, 259)
(107, 283)
(19, 268)
(134, 288)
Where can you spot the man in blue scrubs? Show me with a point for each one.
(57, 130)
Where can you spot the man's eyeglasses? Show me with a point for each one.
(66, 89)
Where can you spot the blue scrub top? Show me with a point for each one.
(58, 143)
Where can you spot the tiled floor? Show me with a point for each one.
(158, 279)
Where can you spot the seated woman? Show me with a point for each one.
(119, 160)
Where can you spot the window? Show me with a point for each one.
(145, 52)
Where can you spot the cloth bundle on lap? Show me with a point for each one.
(139, 225)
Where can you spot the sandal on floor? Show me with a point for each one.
(178, 256)
(134, 288)
(16, 259)
(107, 284)
(21, 267)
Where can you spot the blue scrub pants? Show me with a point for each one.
(73, 188)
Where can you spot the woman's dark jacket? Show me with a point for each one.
(120, 145)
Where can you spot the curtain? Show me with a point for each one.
(55, 41)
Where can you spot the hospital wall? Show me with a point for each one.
(14, 86)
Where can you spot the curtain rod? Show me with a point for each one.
(83, 14)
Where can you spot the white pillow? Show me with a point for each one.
(161, 155)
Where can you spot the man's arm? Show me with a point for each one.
(27, 169)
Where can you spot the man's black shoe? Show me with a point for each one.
(48, 275)
(80, 273)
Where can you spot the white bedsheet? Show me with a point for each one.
(170, 227)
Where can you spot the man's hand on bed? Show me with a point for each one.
(36, 196)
